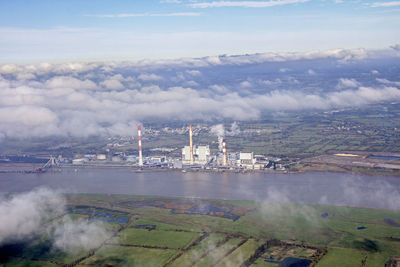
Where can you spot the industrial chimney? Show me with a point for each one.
(139, 130)
(223, 152)
(191, 144)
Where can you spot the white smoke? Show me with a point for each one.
(235, 130)
(219, 131)
(28, 214)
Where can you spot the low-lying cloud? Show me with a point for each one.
(23, 215)
(72, 235)
(26, 215)
(105, 99)
(277, 203)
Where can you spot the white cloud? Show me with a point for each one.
(9, 68)
(385, 81)
(132, 15)
(311, 72)
(193, 72)
(191, 84)
(245, 3)
(79, 100)
(284, 70)
(85, 113)
(77, 235)
(386, 4)
(149, 77)
(271, 82)
(27, 115)
(374, 72)
(219, 88)
(171, 1)
(245, 84)
(70, 82)
(112, 84)
(25, 76)
(347, 83)
(396, 47)
(4, 83)
(179, 77)
(26, 215)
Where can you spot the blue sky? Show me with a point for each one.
(55, 30)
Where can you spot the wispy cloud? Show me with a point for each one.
(131, 15)
(245, 3)
(386, 4)
(171, 1)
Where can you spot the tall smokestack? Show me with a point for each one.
(139, 131)
(223, 152)
(191, 144)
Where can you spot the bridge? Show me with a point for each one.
(49, 164)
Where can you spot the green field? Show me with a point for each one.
(160, 238)
(128, 256)
(164, 231)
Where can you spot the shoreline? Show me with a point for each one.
(31, 168)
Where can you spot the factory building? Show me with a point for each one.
(201, 154)
(101, 157)
(116, 158)
(246, 160)
(186, 155)
(157, 159)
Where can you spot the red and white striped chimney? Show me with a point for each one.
(223, 152)
(139, 130)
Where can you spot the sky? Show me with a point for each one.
(97, 30)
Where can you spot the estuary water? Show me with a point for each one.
(311, 188)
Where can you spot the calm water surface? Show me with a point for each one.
(312, 188)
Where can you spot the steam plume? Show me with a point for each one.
(219, 131)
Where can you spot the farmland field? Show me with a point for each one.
(166, 231)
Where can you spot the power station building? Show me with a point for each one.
(246, 158)
(201, 154)
(195, 154)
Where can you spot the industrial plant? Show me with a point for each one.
(193, 157)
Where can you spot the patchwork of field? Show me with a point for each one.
(161, 231)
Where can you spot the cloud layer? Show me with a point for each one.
(107, 99)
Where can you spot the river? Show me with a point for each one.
(311, 188)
